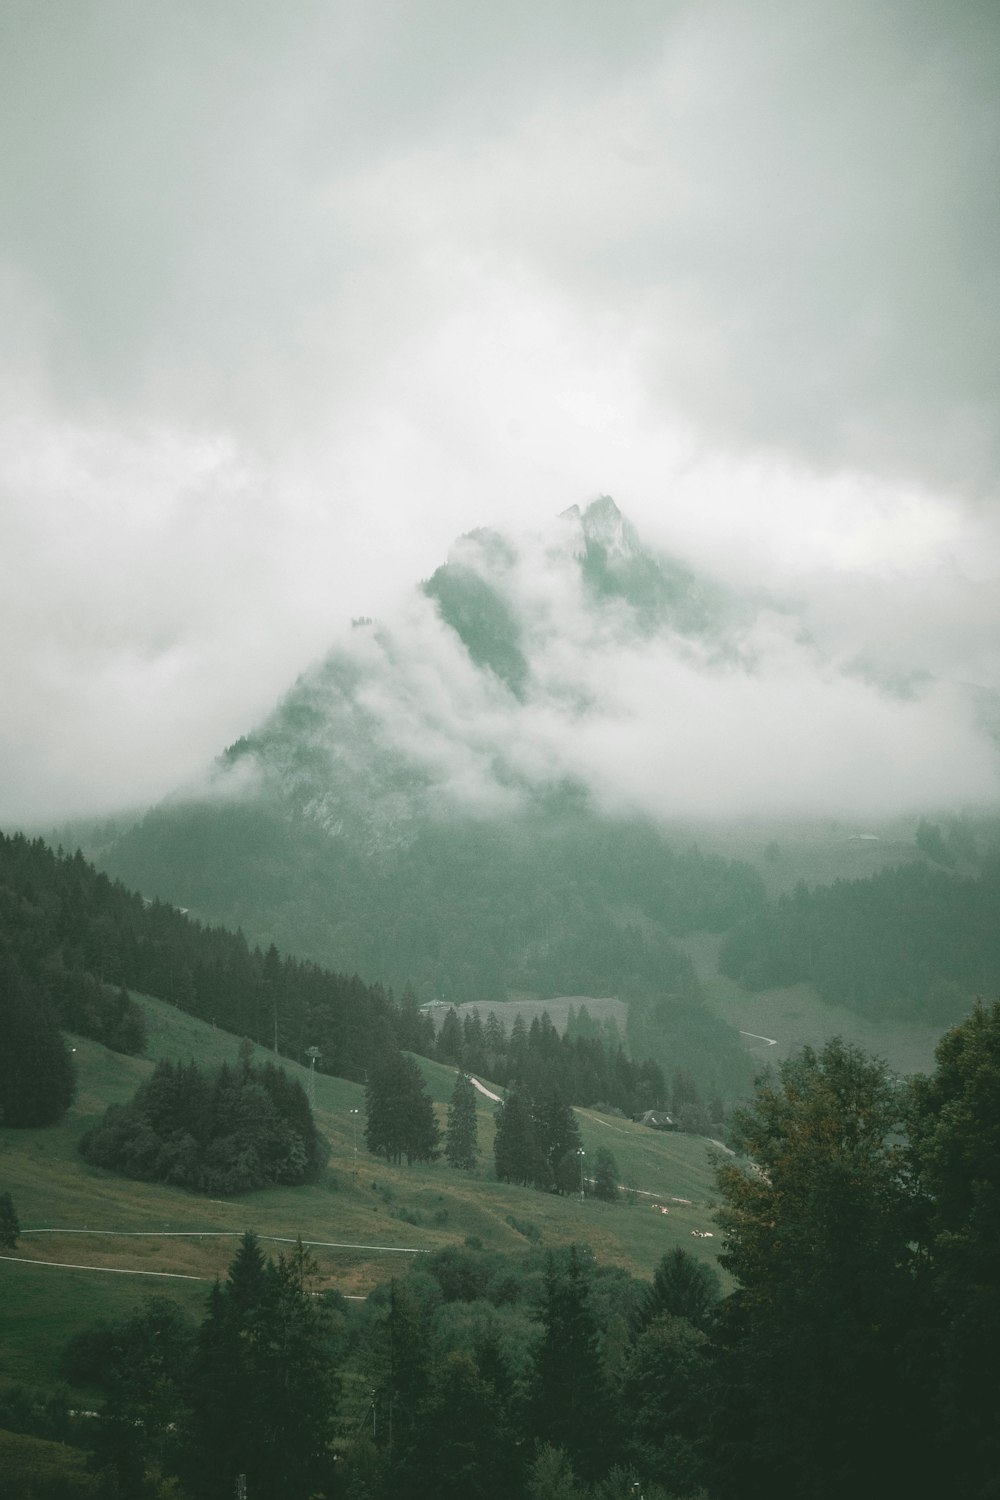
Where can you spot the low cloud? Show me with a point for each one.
(292, 296)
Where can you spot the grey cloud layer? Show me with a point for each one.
(791, 206)
(292, 295)
(749, 717)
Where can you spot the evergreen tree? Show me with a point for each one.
(399, 1112)
(263, 1386)
(682, 1288)
(571, 1406)
(449, 1041)
(558, 1137)
(37, 1079)
(817, 1396)
(667, 1395)
(461, 1446)
(407, 1374)
(516, 1154)
(461, 1146)
(954, 1127)
(605, 1175)
(9, 1227)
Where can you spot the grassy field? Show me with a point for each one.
(817, 851)
(796, 1016)
(365, 1219)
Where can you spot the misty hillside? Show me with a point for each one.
(470, 797)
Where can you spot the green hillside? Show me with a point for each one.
(86, 1226)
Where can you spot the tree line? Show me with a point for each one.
(587, 1061)
(914, 942)
(75, 942)
(80, 941)
(464, 908)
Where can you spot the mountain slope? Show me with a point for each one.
(469, 795)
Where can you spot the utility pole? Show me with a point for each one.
(354, 1117)
(313, 1054)
(581, 1154)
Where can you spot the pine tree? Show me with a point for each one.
(571, 1406)
(461, 1146)
(954, 1126)
(399, 1112)
(605, 1175)
(516, 1156)
(449, 1042)
(682, 1288)
(558, 1137)
(263, 1387)
(9, 1227)
(37, 1079)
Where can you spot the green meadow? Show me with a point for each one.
(104, 1242)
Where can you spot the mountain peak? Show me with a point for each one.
(602, 525)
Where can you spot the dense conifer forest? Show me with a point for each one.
(78, 941)
(915, 942)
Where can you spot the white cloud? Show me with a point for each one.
(293, 295)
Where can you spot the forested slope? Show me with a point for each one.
(917, 941)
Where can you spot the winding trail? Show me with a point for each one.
(208, 1234)
(484, 1090)
(65, 1265)
(189, 1234)
(772, 1041)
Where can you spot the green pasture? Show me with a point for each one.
(796, 1017)
(367, 1220)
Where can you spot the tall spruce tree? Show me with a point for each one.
(9, 1226)
(682, 1288)
(571, 1406)
(516, 1155)
(461, 1146)
(399, 1112)
(558, 1137)
(263, 1387)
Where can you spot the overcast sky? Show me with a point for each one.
(292, 295)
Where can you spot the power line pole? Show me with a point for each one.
(313, 1054)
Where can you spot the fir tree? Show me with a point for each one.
(605, 1175)
(9, 1227)
(461, 1146)
(558, 1137)
(263, 1387)
(682, 1288)
(571, 1406)
(516, 1156)
(399, 1112)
